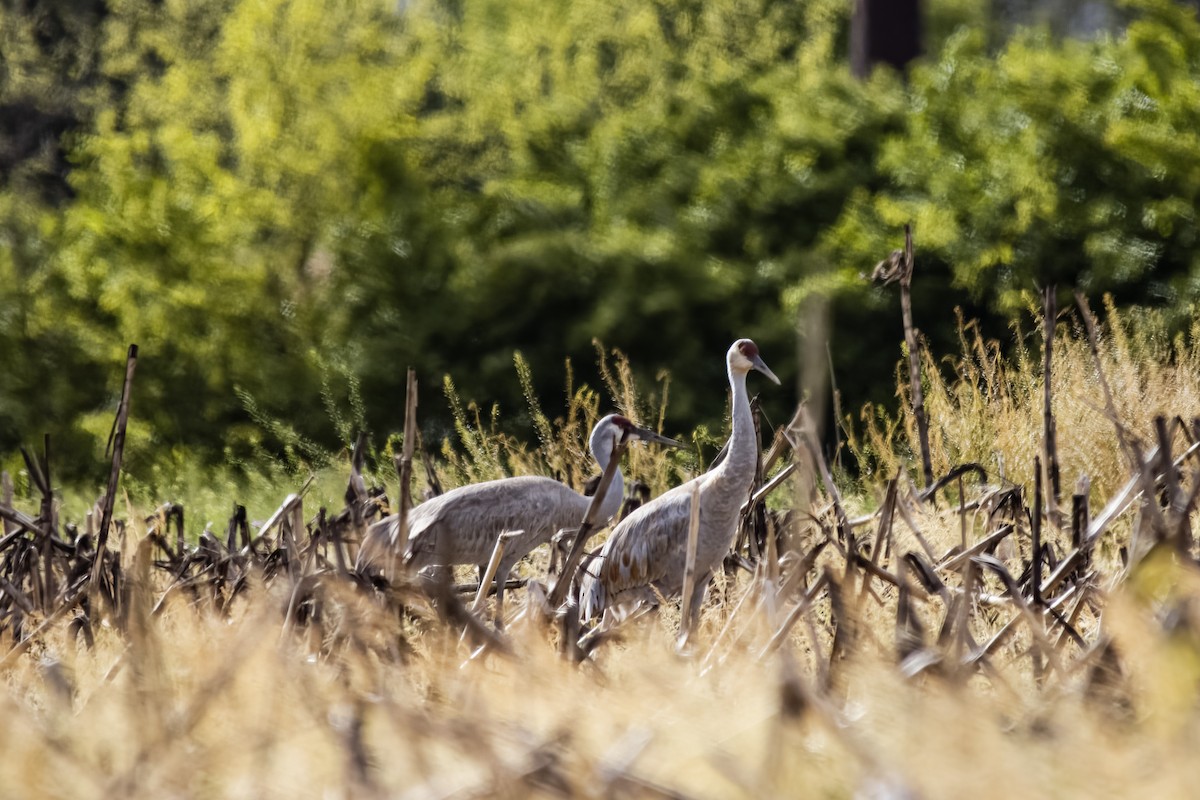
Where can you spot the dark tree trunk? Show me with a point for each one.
(884, 31)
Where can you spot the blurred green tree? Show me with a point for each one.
(48, 74)
(1052, 161)
(648, 175)
(224, 151)
(287, 202)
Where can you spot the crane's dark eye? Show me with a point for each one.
(748, 348)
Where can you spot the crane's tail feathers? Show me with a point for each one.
(630, 608)
(593, 598)
(378, 552)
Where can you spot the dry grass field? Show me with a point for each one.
(872, 640)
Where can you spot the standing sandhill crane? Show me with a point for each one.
(646, 553)
(462, 525)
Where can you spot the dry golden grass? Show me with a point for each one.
(484, 452)
(225, 708)
(361, 700)
(989, 409)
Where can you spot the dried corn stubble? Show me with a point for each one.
(880, 658)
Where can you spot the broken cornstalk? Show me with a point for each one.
(116, 445)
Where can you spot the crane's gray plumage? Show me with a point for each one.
(462, 525)
(647, 551)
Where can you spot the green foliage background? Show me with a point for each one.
(285, 203)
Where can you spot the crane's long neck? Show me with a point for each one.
(616, 489)
(737, 470)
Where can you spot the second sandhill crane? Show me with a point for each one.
(645, 556)
(462, 525)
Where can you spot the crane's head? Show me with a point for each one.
(612, 429)
(743, 356)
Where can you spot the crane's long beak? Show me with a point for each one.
(762, 367)
(647, 435)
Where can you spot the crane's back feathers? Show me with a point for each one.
(461, 526)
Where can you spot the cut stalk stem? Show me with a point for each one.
(1049, 429)
(117, 445)
(404, 470)
(559, 592)
(493, 564)
(914, 356)
(689, 569)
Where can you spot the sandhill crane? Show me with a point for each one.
(462, 525)
(645, 555)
